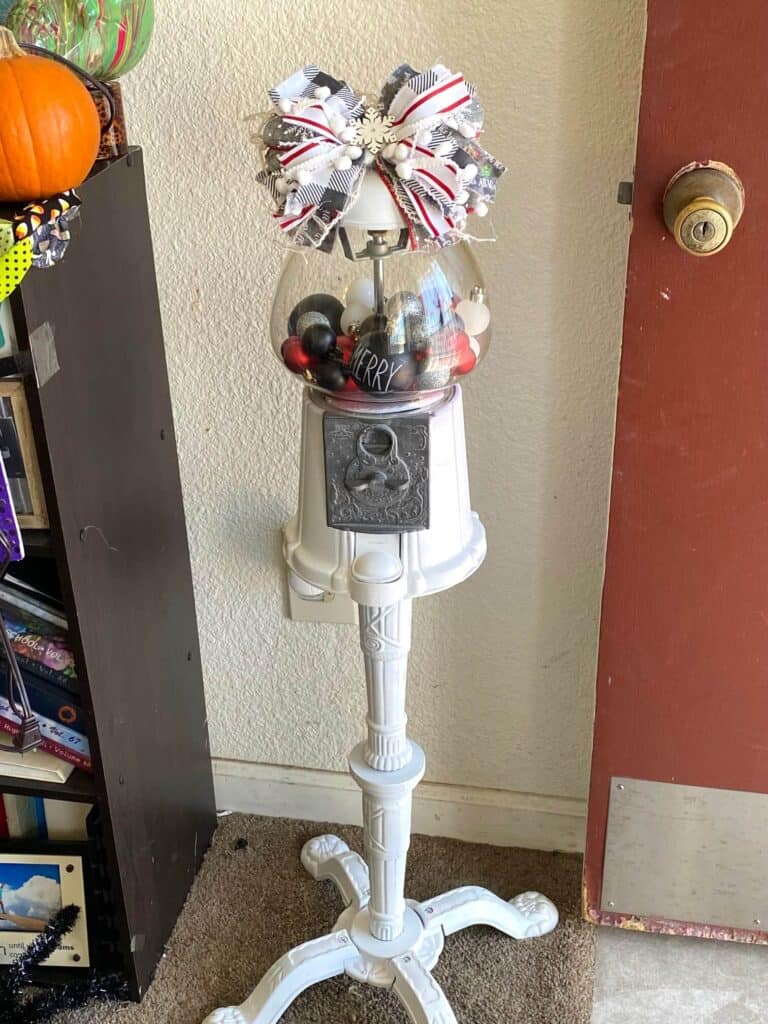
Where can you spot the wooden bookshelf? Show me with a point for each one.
(93, 364)
(79, 788)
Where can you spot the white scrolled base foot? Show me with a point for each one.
(404, 964)
(226, 1015)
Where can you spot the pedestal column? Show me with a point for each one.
(385, 637)
(386, 767)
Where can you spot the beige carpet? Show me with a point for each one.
(251, 904)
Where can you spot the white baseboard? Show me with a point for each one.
(495, 816)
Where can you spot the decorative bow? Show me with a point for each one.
(420, 139)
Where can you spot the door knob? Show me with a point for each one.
(703, 204)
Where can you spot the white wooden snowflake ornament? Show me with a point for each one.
(374, 130)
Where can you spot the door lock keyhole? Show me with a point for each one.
(702, 206)
(704, 231)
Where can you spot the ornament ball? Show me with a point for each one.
(294, 356)
(319, 340)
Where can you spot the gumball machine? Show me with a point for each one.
(381, 322)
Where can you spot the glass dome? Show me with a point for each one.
(372, 320)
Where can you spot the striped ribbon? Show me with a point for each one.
(321, 139)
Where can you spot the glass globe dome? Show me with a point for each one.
(373, 320)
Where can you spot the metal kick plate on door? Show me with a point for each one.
(687, 853)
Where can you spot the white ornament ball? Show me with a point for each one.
(481, 209)
(354, 152)
(337, 123)
(402, 152)
(361, 293)
(389, 151)
(348, 134)
(303, 177)
(284, 105)
(322, 92)
(467, 130)
(282, 186)
(474, 344)
(342, 163)
(404, 169)
(424, 138)
(475, 315)
(469, 173)
(354, 315)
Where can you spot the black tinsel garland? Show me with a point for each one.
(19, 1005)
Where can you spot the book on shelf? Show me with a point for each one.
(33, 817)
(57, 739)
(31, 599)
(49, 699)
(25, 816)
(40, 647)
(65, 820)
(35, 765)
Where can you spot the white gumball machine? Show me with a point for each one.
(381, 325)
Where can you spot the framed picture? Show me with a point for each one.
(36, 881)
(17, 447)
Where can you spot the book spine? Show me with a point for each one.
(31, 664)
(47, 655)
(38, 807)
(24, 817)
(65, 744)
(29, 604)
(49, 700)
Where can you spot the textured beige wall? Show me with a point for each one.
(502, 677)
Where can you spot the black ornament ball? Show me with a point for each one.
(377, 370)
(330, 376)
(328, 305)
(318, 340)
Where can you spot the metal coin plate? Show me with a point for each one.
(377, 472)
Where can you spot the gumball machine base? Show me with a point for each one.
(350, 536)
(403, 964)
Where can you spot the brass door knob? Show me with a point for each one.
(703, 204)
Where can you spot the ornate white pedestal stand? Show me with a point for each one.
(381, 938)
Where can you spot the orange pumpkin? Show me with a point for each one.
(49, 127)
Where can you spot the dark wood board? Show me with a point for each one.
(79, 788)
(118, 526)
(681, 690)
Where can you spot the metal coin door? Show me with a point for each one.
(377, 473)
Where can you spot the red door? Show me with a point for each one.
(678, 811)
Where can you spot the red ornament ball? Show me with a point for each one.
(346, 346)
(295, 357)
(467, 360)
